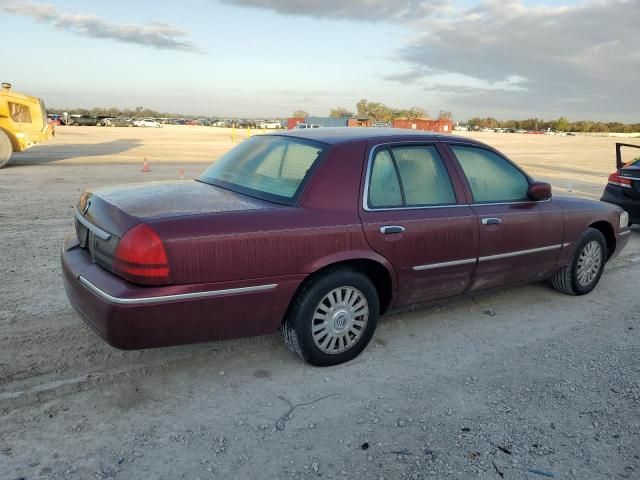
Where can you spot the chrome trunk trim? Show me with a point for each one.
(97, 231)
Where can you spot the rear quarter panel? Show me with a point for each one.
(579, 214)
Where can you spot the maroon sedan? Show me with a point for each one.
(318, 232)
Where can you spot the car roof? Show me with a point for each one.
(336, 135)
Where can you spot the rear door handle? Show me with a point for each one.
(391, 229)
(491, 221)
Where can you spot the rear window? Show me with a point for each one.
(629, 155)
(269, 167)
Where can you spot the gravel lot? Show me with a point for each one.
(522, 384)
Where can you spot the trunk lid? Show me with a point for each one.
(104, 215)
(157, 200)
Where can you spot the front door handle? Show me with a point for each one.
(491, 221)
(391, 229)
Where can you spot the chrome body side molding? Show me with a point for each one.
(170, 298)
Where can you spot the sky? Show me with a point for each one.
(267, 58)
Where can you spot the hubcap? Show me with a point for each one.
(340, 320)
(589, 263)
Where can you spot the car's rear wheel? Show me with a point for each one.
(6, 149)
(584, 272)
(333, 317)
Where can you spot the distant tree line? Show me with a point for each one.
(380, 112)
(559, 125)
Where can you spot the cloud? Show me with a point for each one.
(580, 58)
(582, 54)
(44, 13)
(161, 36)
(366, 10)
(457, 81)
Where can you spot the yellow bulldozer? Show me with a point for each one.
(23, 123)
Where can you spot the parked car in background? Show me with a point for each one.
(318, 233)
(120, 122)
(303, 126)
(270, 124)
(245, 123)
(103, 120)
(623, 185)
(146, 122)
(23, 123)
(84, 120)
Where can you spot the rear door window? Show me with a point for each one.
(384, 189)
(409, 176)
(492, 179)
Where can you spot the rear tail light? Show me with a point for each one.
(618, 181)
(140, 257)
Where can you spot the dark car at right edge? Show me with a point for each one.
(623, 185)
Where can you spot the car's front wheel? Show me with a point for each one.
(584, 272)
(333, 317)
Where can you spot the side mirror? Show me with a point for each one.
(539, 191)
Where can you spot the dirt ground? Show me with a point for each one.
(522, 384)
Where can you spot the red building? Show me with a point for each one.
(442, 126)
(294, 122)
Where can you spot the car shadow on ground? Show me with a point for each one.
(53, 153)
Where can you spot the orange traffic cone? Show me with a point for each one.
(181, 174)
(145, 165)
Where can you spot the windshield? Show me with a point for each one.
(266, 166)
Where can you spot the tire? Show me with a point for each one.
(336, 295)
(6, 148)
(584, 272)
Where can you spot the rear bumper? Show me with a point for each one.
(615, 196)
(129, 316)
